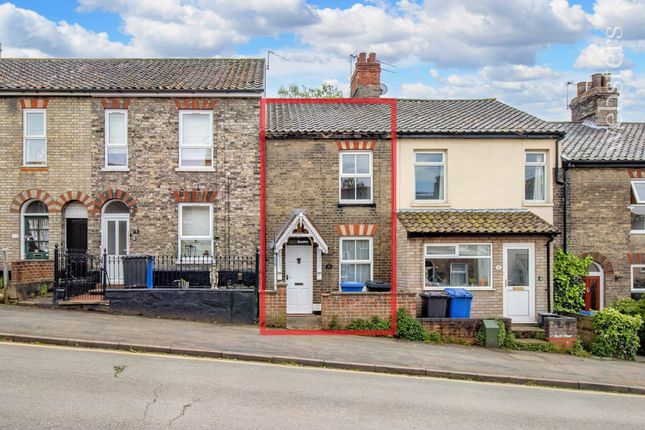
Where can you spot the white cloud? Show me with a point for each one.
(602, 56)
(25, 33)
(202, 27)
(538, 90)
(455, 33)
(626, 14)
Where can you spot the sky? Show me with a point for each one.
(522, 52)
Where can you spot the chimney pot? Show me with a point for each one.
(581, 87)
(595, 101)
(366, 79)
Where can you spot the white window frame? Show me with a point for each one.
(25, 137)
(182, 146)
(631, 277)
(456, 255)
(341, 175)
(341, 261)
(545, 166)
(633, 185)
(108, 144)
(639, 203)
(181, 237)
(442, 163)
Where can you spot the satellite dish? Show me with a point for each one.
(383, 89)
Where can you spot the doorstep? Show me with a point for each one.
(304, 322)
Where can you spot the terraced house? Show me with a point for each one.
(128, 156)
(475, 199)
(603, 212)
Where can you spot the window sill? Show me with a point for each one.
(528, 203)
(34, 168)
(466, 288)
(192, 169)
(115, 169)
(637, 232)
(429, 204)
(358, 205)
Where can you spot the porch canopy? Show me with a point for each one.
(299, 226)
(474, 221)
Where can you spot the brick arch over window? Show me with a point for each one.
(115, 194)
(604, 262)
(52, 204)
(71, 196)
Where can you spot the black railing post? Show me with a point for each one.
(104, 266)
(56, 275)
(257, 283)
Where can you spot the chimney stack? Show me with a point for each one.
(366, 79)
(596, 101)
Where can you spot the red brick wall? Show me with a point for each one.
(24, 271)
(460, 328)
(346, 307)
(276, 306)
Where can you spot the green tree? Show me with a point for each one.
(326, 91)
(568, 272)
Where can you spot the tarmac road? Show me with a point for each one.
(48, 387)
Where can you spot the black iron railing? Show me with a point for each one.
(79, 274)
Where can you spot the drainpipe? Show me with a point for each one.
(548, 273)
(565, 205)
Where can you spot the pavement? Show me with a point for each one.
(102, 330)
(56, 387)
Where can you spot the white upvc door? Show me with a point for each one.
(116, 245)
(299, 273)
(519, 282)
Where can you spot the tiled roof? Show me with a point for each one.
(485, 116)
(467, 116)
(474, 221)
(119, 74)
(583, 142)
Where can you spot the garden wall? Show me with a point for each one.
(225, 306)
(460, 328)
(27, 276)
(347, 307)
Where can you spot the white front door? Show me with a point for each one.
(115, 243)
(299, 268)
(519, 282)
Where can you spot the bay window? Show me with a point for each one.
(355, 259)
(195, 230)
(458, 265)
(535, 176)
(34, 137)
(429, 176)
(196, 140)
(356, 177)
(116, 139)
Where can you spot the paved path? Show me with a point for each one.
(70, 388)
(369, 352)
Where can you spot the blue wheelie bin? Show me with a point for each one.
(351, 287)
(459, 300)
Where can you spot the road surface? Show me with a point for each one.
(45, 387)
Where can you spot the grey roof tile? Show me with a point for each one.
(124, 74)
(584, 142)
(486, 116)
